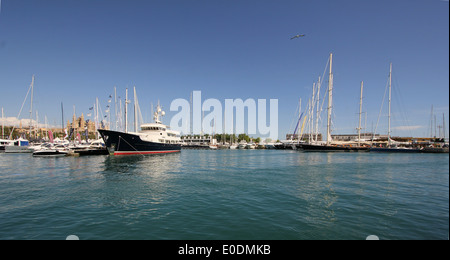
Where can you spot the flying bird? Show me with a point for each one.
(298, 36)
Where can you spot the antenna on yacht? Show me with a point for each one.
(158, 113)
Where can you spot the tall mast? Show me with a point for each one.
(389, 109)
(31, 106)
(62, 117)
(74, 124)
(46, 127)
(317, 110)
(97, 118)
(360, 112)
(115, 110)
(126, 110)
(135, 111)
(443, 124)
(311, 114)
(37, 125)
(299, 118)
(224, 129)
(309, 120)
(191, 117)
(3, 125)
(431, 122)
(330, 100)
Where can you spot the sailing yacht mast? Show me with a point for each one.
(3, 125)
(135, 110)
(360, 112)
(443, 124)
(97, 118)
(62, 117)
(317, 111)
(311, 114)
(389, 107)
(126, 110)
(115, 110)
(31, 106)
(330, 100)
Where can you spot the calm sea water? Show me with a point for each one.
(229, 194)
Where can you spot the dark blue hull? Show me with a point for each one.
(330, 148)
(120, 143)
(394, 150)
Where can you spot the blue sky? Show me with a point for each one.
(80, 50)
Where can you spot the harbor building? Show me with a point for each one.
(80, 125)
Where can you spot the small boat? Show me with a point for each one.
(223, 146)
(250, 146)
(242, 145)
(92, 151)
(3, 144)
(95, 148)
(18, 146)
(443, 149)
(270, 146)
(233, 146)
(52, 151)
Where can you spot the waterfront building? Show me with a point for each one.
(80, 125)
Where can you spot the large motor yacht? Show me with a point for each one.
(154, 138)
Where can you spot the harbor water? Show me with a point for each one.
(226, 194)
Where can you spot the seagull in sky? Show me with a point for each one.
(298, 36)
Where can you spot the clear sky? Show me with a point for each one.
(81, 49)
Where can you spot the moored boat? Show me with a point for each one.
(51, 150)
(234, 146)
(154, 138)
(443, 149)
(250, 146)
(333, 148)
(242, 145)
(17, 146)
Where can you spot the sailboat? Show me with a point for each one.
(391, 147)
(329, 146)
(20, 145)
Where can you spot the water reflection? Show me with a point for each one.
(136, 187)
(315, 187)
(155, 165)
(351, 189)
